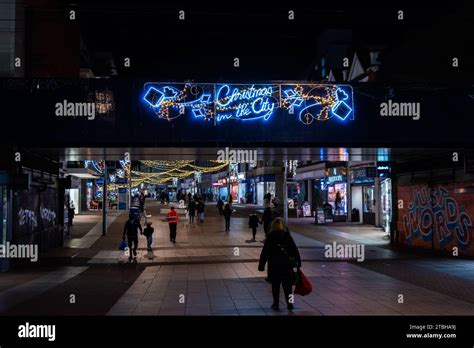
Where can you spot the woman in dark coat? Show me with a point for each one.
(220, 206)
(267, 219)
(191, 212)
(253, 224)
(282, 255)
(200, 210)
(227, 215)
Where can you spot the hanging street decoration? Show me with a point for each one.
(250, 102)
(319, 103)
(167, 171)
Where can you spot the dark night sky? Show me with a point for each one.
(269, 46)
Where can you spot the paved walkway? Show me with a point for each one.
(210, 272)
(239, 289)
(17, 294)
(83, 223)
(87, 240)
(202, 242)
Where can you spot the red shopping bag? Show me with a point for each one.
(303, 285)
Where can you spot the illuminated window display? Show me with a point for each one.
(337, 197)
(386, 204)
(369, 199)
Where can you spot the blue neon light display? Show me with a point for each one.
(172, 101)
(93, 165)
(318, 102)
(223, 102)
(244, 102)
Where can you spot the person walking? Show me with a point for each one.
(71, 211)
(200, 210)
(283, 259)
(173, 219)
(267, 200)
(148, 232)
(131, 231)
(267, 219)
(338, 202)
(220, 206)
(141, 201)
(191, 211)
(253, 224)
(227, 214)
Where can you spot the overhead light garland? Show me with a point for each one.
(179, 165)
(172, 170)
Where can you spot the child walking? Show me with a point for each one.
(148, 232)
(253, 224)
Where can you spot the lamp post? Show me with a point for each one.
(104, 200)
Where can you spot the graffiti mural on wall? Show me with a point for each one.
(36, 219)
(437, 217)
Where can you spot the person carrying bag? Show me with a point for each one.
(283, 259)
(301, 282)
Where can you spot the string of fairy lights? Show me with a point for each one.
(164, 110)
(166, 171)
(328, 99)
(170, 170)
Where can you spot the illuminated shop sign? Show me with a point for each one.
(245, 102)
(336, 178)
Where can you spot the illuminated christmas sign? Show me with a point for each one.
(318, 102)
(172, 101)
(246, 102)
(223, 102)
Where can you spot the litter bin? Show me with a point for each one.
(355, 217)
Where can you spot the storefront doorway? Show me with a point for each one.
(368, 205)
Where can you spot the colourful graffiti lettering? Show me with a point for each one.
(433, 212)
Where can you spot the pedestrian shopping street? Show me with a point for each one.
(210, 272)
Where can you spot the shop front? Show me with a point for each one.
(234, 186)
(384, 174)
(205, 186)
(371, 189)
(335, 186)
(307, 191)
(243, 191)
(220, 190)
(74, 193)
(259, 186)
(363, 195)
